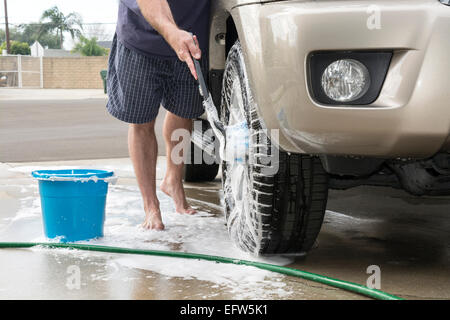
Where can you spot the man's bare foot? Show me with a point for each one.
(153, 220)
(175, 190)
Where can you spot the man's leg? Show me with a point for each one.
(172, 184)
(143, 149)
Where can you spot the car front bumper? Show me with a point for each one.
(410, 117)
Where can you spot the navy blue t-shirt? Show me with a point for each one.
(137, 34)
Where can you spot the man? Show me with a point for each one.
(150, 64)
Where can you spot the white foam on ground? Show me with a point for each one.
(243, 282)
(29, 169)
(203, 233)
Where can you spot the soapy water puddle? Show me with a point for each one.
(203, 233)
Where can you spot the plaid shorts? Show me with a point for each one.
(138, 84)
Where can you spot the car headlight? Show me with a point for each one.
(345, 80)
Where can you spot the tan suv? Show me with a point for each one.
(355, 92)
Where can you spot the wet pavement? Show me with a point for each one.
(406, 237)
(47, 275)
(40, 273)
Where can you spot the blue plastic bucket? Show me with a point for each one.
(73, 202)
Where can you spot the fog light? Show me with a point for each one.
(345, 80)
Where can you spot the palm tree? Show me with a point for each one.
(53, 19)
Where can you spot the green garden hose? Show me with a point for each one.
(349, 286)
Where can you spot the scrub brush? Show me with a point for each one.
(237, 135)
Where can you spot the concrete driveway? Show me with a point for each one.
(406, 237)
(42, 125)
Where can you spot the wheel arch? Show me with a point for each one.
(241, 23)
(223, 35)
(223, 32)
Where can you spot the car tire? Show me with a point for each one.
(200, 171)
(279, 213)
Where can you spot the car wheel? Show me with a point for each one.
(197, 169)
(275, 213)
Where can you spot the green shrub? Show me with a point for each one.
(17, 47)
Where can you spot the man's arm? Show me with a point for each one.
(159, 15)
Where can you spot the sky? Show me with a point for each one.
(92, 11)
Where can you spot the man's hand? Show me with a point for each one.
(186, 47)
(158, 14)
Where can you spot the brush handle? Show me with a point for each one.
(201, 80)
